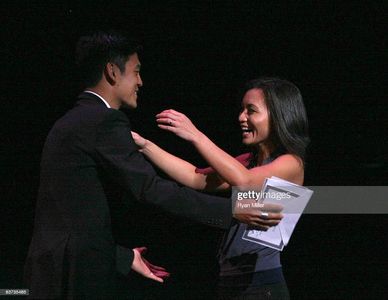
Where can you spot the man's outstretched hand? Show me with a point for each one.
(145, 268)
(262, 218)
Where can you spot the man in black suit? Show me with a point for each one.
(91, 170)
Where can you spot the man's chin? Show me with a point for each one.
(132, 105)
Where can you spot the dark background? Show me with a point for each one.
(196, 56)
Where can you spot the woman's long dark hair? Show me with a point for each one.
(287, 116)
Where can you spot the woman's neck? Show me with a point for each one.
(264, 152)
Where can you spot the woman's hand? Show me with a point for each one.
(179, 124)
(139, 140)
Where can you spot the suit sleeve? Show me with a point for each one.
(117, 154)
(124, 260)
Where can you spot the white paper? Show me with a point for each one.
(294, 202)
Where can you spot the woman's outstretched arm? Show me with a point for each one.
(286, 166)
(177, 168)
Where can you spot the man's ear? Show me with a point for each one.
(110, 72)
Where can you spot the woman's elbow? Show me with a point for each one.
(239, 181)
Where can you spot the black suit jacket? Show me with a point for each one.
(91, 172)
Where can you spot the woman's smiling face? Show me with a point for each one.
(254, 118)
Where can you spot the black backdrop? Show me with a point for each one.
(196, 56)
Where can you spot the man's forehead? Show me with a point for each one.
(134, 61)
